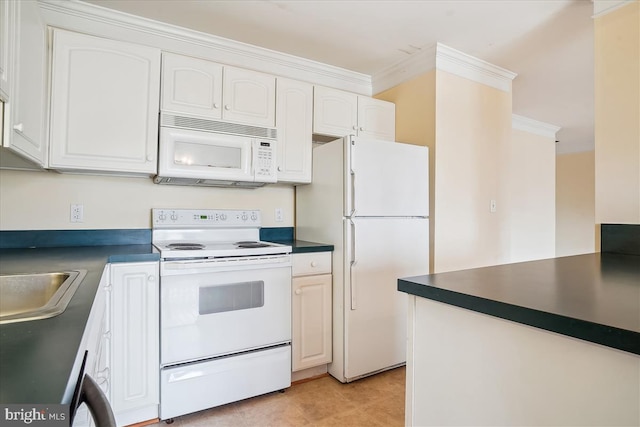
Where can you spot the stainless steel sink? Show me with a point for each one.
(25, 297)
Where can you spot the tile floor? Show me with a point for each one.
(371, 402)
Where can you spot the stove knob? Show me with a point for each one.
(244, 216)
(254, 217)
(174, 216)
(162, 216)
(223, 217)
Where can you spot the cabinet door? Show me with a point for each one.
(135, 342)
(7, 22)
(376, 119)
(27, 68)
(335, 112)
(191, 86)
(311, 320)
(104, 105)
(294, 124)
(249, 97)
(96, 343)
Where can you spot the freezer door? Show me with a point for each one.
(379, 251)
(386, 178)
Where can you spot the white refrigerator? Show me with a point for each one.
(370, 199)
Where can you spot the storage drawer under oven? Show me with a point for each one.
(202, 385)
(205, 315)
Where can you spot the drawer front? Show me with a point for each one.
(311, 263)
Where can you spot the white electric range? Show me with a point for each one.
(225, 309)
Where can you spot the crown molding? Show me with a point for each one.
(467, 66)
(78, 16)
(404, 70)
(442, 57)
(536, 127)
(603, 7)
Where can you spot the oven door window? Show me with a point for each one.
(232, 297)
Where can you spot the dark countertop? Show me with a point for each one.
(285, 235)
(594, 297)
(37, 357)
(302, 246)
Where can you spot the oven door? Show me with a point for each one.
(213, 308)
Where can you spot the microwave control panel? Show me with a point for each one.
(264, 161)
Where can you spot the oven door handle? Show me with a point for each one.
(181, 267)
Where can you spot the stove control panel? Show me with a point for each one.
(204, 218)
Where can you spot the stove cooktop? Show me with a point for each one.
(219, 249)
(207, 233)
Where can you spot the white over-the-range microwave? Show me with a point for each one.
(194, 151)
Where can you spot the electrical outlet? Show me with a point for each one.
(493, 206)
(77, 213)
(279, 215)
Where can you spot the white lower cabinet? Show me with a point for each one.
(134, 349)
(311, 310)
(95, 342)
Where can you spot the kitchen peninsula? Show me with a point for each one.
(548, 342)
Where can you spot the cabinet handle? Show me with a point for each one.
(279, 168)
(216, 106)
(314, 264)
(355, 127)
(298, 291)
(150, 157)
(151, 278)
(19, 127)
(227, 107)
(361, 128)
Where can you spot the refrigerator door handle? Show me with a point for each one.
(353, 194)
(350, 198)
(352, 264)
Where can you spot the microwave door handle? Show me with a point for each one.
(253, 160)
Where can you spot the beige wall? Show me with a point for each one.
(617, 115)
(40, 201)
(575, 204)
(532, 194)
(473, 126)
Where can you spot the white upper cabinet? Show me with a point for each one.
(337, 113)
(376, 119)
(294, 117)
(206, 89)
(249, 97)
(24, 79)
(191, 86)
(7, 21)
(104, 105)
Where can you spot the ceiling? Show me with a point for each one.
(548, 43)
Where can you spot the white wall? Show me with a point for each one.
(41, 201)
(487, 371)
